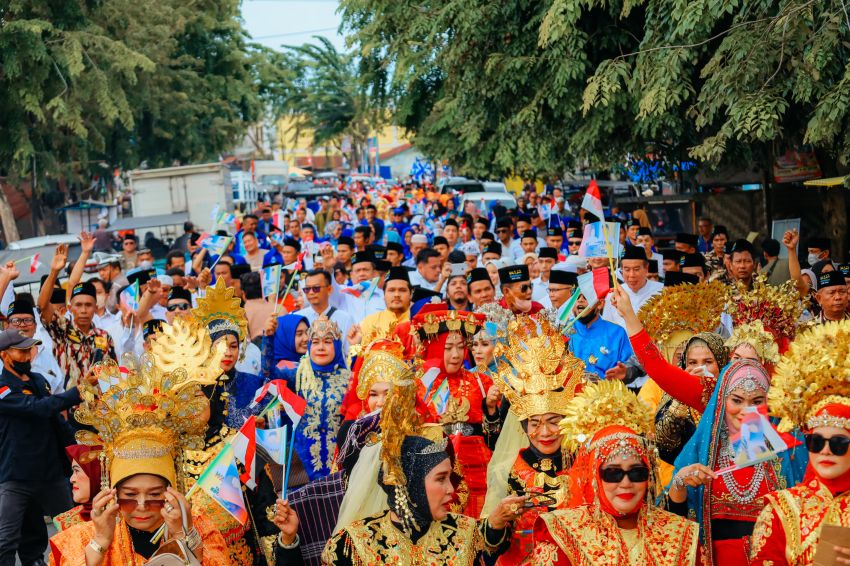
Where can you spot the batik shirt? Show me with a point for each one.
(75, 350)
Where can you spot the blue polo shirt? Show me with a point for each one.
(601, 345)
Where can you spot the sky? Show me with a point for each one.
(291, 22)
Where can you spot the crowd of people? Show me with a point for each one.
(442, 386)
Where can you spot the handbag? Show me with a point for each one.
(175, 552)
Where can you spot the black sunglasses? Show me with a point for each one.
(838, 445)
(178, 307)
(525, 288)
(575, 242)
(637, 474)
(314, 289)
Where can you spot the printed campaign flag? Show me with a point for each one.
(593, 243)
(272, 443)
(215, 215)
(594, 285)
(221, 482)
(130, 297)
(270, 280)
(441, 397)
(429, 378)
(592, 201)
(757, 441)
(245, 450)
(361, 288)
(214, 244)
(567, 311)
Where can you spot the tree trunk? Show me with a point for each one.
(7, 219)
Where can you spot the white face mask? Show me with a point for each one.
(101, 301)
(147, 264)
(812, 259)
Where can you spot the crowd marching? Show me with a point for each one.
(381, 378)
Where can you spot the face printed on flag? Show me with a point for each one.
(221, 482)
(216, 245)
(270, 277)
(272, 442)
(130, 297)
(593, 242)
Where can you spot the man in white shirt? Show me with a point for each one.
(635, 269)
(546, 259)
(358, 304)
(562, 285)
(317, 289)
(646, 241)
(428, 267)
(418, 242)
(21, 316)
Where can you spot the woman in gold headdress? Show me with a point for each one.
(611, 520)
(810, 392)
(145, 421)
(417, 476)
(538, 376)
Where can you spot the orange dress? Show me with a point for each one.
(788, 529)
(68, 548)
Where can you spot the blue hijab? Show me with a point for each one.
(284, 337)
(703, 447)
(337, 363)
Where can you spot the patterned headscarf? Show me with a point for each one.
(714, 343)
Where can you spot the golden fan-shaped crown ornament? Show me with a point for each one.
(383, 361)
(778, 307)
(755, 334)
(814, 372)
(185, 345)
(690, 308)
(537, 372)
(220, 309)
(144, 416)
(603, 404)
(324, 327)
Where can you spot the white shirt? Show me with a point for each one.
(540, 292)
(638, 298)
(357, 308)
(416, 279)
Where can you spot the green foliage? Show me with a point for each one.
(122, 81)
(536, 86)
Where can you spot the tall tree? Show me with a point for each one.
(542, 85)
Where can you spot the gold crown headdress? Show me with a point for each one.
(778, 307)
(754, 334)
(220, 311)
(537, 372)
(689, 308)
(602, 404)
(497, 320)
(813, 373)
(145, 416)
(383, 361)
(322, 327)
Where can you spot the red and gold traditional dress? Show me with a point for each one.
(810, 392)
(588, 532)
(456, 400)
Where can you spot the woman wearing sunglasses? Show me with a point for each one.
(540, 377)
(811, 392)
(610, 519)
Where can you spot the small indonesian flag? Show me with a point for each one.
(34, 263)
(595, 285)
(293, 405)
(4, 391)
(245, 450)
(592, 201)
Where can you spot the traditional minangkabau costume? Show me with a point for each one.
(87, 458)
(727, 507)
(463, 415)
(538, 376)
(146, 419)
(777, 307)
(811, 388)
(605, 422)
(407, 532)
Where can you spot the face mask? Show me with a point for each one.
(147, 264)
(101, 301)
(812, 259)
(22, 368)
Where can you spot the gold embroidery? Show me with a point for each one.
(545, 554)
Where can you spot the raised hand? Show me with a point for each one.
(60, 258)
(87, 242)
(790, 239)
(286, 521)
(10, 271)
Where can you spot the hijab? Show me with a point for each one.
(284, 338)
(76, 453)
(840, 484)
(337, 363)
(433, 353)
(715, 344)
(410, 501)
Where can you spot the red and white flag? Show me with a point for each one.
(595, 285)
(245, 450)
(293, 405)
(592, 201)
(34, 263)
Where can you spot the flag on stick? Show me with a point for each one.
(592, 201)
(272, 443)
(221, 482)
(245, 449)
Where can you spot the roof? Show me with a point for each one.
(30, 244)
(138, 222)
(138, 174)
(86, 204)
(830, 182)
(396, 150)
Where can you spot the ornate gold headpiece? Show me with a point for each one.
(814, 373)
(184, 345)
(434, 319)
(754, 334)
(690, 308)
(220, 310)
(603, 404)
(778, 307)
(323, 327)
(537, 372)
(383, 361)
